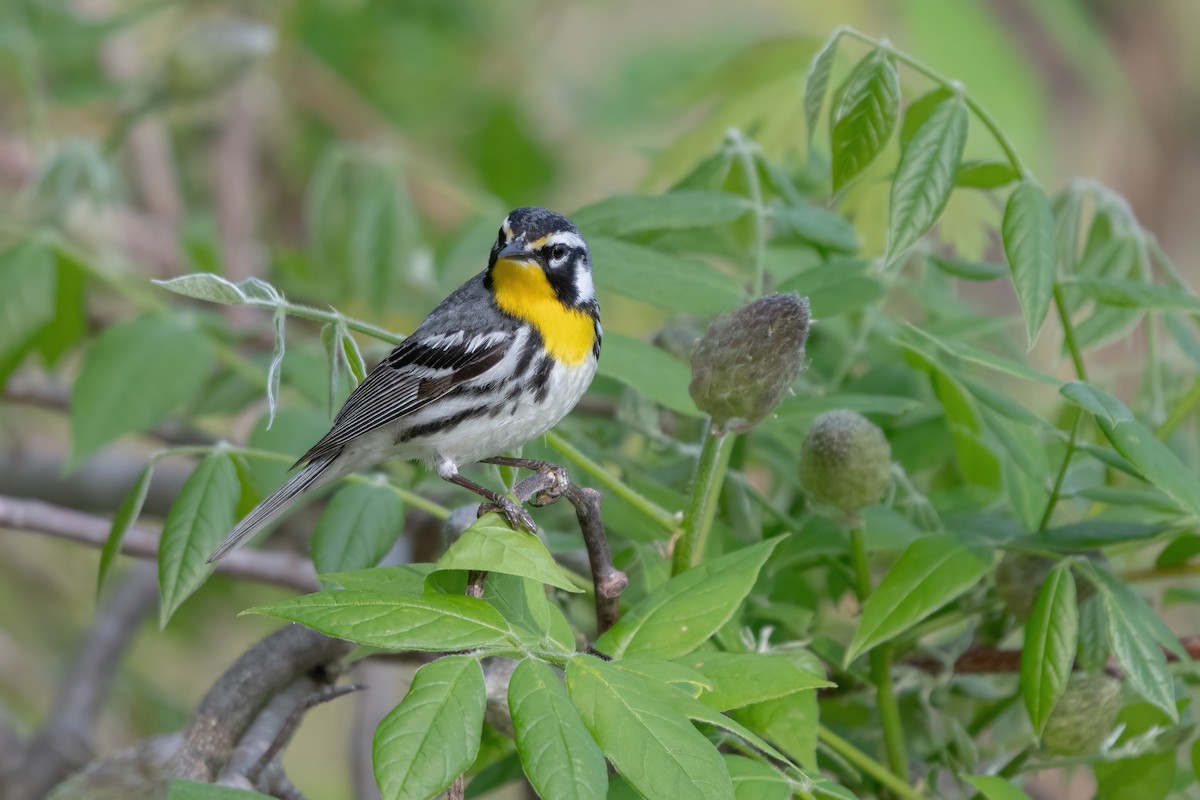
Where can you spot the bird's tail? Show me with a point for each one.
(311, 476)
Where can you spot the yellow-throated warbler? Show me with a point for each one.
(499, 362)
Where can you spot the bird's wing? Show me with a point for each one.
(417, 372)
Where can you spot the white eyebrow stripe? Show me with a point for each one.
(507, 228)
(564, 237)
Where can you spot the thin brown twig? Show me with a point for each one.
(277, 568)
(288, 729)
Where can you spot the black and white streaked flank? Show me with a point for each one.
(474, 380)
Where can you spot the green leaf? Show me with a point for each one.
(123, 520)
(863, 115)
(558, 754)
(812, 405)
(982, 357)
(790, 722)
(816, 83)
(969, 270)
(920, 110)
(652, 745)
(399, 621)
(985, 174)
(994, 787)
(649, 370)
(661, 279)
(814, 226)
(1138, 445)
(684, 612)
(1051, 638)
(754, 780)
(70, 324)
(201, 516)
(132, 376)
(524, 604)
(492, 546)
(357, 528)
(1134, 635)
(1029, 243)
(1135, 294)
(433, 736)
(27, 297)
(622, 215)
(929, 574)
(191, 790)
(740, 679)
(1093, 636)
(925, 178)
(206, 286)
(399, 579)
(679, 675)
(836, 287)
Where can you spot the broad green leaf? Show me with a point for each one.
(433, 736)
(1026, 495)
(206, 286)
(1136, 607)
(863, 115)
(191, 790)
(661, 279)
(132, 376)
(201, 516)
(740, 679)
(652, 745)
(969, 270)
(985, 174)
(70, 324)
(754, 780)
(397, 622)
(1137, 443)
(976, 461)
(649, 370)
(789, 722)
(400, 579)
(1135, 294)
(492, 546)
(815, 226)
(684, 612)
(1133, 635)
(622, 215)
(27, 297)
(123, 520)
(1092, 534)
(1051, 638)
(924, 180)
(929, 574)
(920, 110)
(1093, 635)
(524, 604)
(559, 755)
(994, 787)
(676, 673)
(982, 357)
(1153, 776)
(835, 288)
(357, 528)
(1029, 234)
(825, 789)
(816, 84)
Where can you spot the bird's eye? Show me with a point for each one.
(558, 252)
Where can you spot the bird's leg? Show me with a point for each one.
(513, 512)
(547, 496)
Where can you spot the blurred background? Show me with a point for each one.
(321, 143)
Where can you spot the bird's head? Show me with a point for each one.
(542, 240)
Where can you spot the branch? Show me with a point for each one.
(64, 743)
(264, 566)
(235, 700)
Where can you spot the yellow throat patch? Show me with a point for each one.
(521, 289)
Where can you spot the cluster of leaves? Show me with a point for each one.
(997, 455)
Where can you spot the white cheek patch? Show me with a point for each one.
(584, 285)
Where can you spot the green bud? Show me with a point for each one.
(746, 361)
(216, 55)
(1020, 576)
(1084, 716)
(845, 461)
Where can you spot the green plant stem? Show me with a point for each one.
(881, 668)
(334, 317)
(643, 504)
(702, 504)
(1064, 318)
(868, 765)
(1056, 492)
(1183, 408)
(745, 154)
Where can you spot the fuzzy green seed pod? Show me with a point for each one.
(746, 360)
(215, 55)
(845, 461)
(1020, 576)
(1084, 716)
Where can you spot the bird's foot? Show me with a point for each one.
(516, 516)
(555, 490)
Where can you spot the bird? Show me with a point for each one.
(496, 364)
